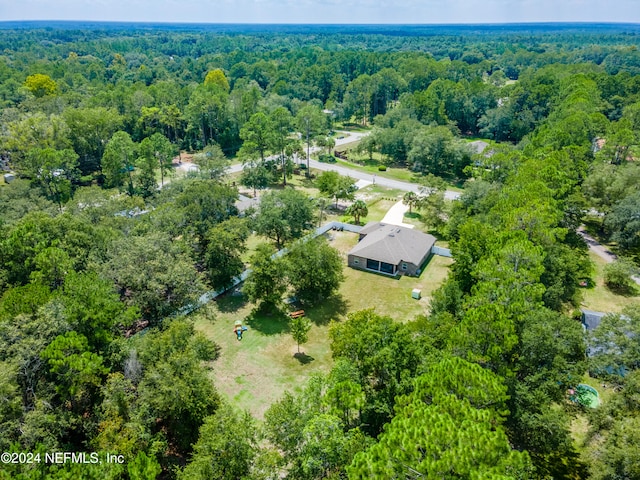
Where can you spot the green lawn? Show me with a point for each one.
(599, 297)
(378, 208)
(252, 243)
(416, 220)
(401, 174)
(605, 391)
(372, 192)
(579, 429)
(580, 425)
(350, 127)
(392, 297)
(362, 163)
(389, 296)
(255, 372)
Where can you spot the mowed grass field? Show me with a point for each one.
(255, 372)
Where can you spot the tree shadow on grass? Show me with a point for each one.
(268, 322)
(329, 309)
(623, 290)
(303, 358)
(231, 301)
(306, 181)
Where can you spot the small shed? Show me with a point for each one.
(9, 177)
(416, 293)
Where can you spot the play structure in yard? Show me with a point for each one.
(238, 329)
(585, 395)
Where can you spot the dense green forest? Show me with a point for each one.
(104, 248)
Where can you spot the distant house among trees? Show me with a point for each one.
(478, 146)
(391, 249)
(243, 204)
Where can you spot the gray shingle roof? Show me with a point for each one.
(591, 319)
(478, 146)
(393, 244)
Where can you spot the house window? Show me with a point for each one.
(386, 268)
(404, 266)
(373, 264)
(356, 261)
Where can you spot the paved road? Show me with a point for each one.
(349, 137)
(385, 182)
(600, 250)
(357, 174)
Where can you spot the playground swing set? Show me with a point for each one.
(239, 329)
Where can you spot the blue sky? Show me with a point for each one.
(325, 11)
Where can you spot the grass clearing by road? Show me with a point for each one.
(599, 297)
(392, 173)
(362, 163)
(350, 127)
(372, 192)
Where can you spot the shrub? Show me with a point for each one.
(325, 158)
(382, 168)
(617, 275)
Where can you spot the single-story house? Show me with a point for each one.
(391, 249)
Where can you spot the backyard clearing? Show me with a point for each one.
(255, 372)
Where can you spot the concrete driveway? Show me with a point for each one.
(395, 215)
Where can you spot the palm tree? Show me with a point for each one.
(357, 210)
(411, 199)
